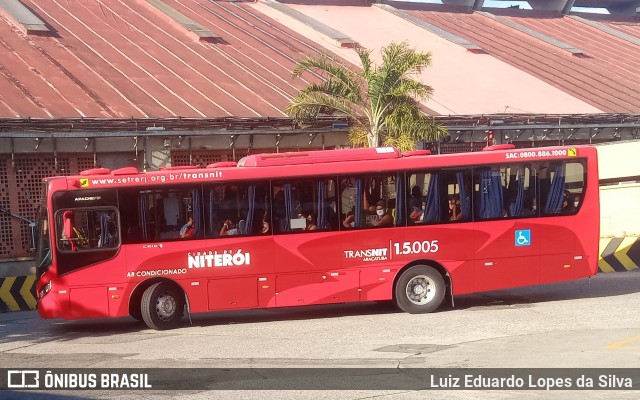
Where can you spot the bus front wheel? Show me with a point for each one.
(162, 306)
(420, 289)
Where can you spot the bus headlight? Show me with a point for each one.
(46, 289)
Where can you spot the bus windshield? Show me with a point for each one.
(43, 259)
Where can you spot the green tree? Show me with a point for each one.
(383, 100)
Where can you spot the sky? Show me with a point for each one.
(506, 3)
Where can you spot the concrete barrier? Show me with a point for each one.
(619, 254)
(18, 293)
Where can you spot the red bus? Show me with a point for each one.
(315, 227)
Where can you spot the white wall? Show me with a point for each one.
(620, 210)
(619, 203)
(618, 159)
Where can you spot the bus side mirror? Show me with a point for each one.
(33, 233)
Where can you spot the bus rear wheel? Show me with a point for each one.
(420, 289)
(162, 306)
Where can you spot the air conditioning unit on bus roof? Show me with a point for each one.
(506, 146)
(319, 156)
(222, 164)
(107, 171)
(95, 171)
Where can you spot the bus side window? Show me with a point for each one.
(504, 192)
(561, 187)
(370, 201)
(166, 212)
(88, 229)
(158, 215)
(425, 203)
(439, 196)
(67, 237)
(107, 233)
(236, 208)
(416, 198)
(518, 199)
(304, 205)
(490, 204)
(455, 195)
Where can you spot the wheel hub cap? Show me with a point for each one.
(421, 290)
(165, 306)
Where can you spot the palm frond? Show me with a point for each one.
(411, 87)
(365, 60)
(402, 142)
(358, 137)
(407, 121)
(384, 99)
(308, 105)
(404, 59)
(328, 68)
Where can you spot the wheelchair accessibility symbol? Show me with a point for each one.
(523, 237)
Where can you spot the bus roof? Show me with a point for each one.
(333, 162)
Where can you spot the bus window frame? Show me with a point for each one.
(364, 177)
(59, 230)
(467, 170)
(579, 160)
(44, 257)
(337, 200)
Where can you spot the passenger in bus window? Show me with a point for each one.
(369, 210)
(455, 214)
(350, 219)
(187, 229)
(576, 200)
(229, 228)
(416, 193)
(383, 217)
(417, 212)
(567, 202)
(266, 224)
(312, 222)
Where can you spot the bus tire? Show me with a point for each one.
(162, 306)
(420, 289)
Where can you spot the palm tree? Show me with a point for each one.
(384, 100)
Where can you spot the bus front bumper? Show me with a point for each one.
(52, 305)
